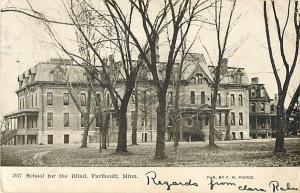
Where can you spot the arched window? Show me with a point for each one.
(193, 80)
(199, 78)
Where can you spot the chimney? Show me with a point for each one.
(254, 80)
(111, 59)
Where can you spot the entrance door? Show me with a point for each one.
(50, 139)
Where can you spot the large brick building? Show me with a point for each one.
(262, 111)
(47, 115)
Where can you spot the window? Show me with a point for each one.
(232, 101)
(143, 121)
(49, 98)
(232, 119)
(31, 100)
(193, 80)
(23, 103)
(98, 98)
(219, 99)
(273, 108)
(262, 92)
(170, 123)
(193, 97)
(241, 135)
(240, 118)
(132, 117)
(20, 103)
(82, 121)
(226, 119)
(51, 76)
(97, 121)
(199, 80)
(189, 122)
(50, 139)
(133, 98)
(66, 98)
(206, 120)
(240, 100)
(66, 120)
(170, 97)
(253, 92)
(107, 100)
(262, 107)
(202, 97)
(66, 139)
(83, 99)
(233, 135)
(218, 119)
(49, 119)
(253, 107)
(36, 99)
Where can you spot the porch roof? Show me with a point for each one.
(32, 111)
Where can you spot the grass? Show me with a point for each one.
(252, 153)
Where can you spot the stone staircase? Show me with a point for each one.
(218, 135)
(7, 135)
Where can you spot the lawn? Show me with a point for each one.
(252, 153)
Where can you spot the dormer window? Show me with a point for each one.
(20, 84)
(262, 92)
(193, 80)
(51, 76)
(83, 99)
(199, 78)
(32, 76)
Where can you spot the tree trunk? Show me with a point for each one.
(122, 132)
(100, 141)
(212, 120)
(134, 128)
(176, 113)
(280, 127)
(85, 135)
(161, 127)
(104, 146)
(214, 104)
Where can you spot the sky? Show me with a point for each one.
(24, 43)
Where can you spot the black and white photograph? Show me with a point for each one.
(150, 83)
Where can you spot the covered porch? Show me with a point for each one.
(24, 125)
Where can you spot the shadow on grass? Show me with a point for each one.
(8, 160)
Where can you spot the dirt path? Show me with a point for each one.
(36, 160)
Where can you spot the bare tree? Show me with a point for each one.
(222, 35)
(182, 14)
(181, 67)
(135, 118)
(106, 33)
(283, 84)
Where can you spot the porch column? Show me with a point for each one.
(25, 127)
